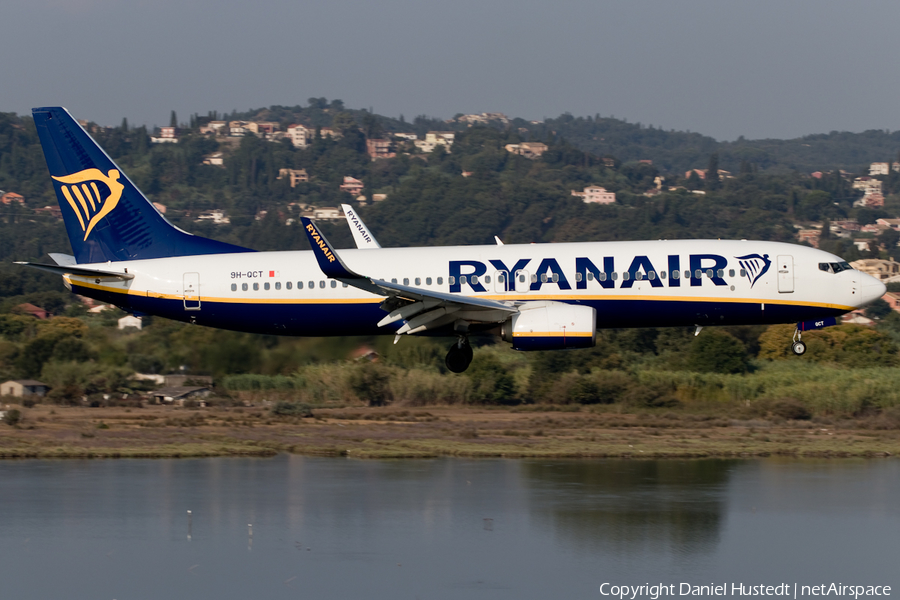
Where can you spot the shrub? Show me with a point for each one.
(12, 417)
(285, 408)
(718, 352)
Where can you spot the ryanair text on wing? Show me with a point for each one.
(319, 243)
(523, 275)
(84, 195)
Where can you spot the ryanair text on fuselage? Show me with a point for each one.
(699, 267)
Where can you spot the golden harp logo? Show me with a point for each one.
(83, 195)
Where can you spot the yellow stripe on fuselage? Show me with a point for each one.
(500, 297)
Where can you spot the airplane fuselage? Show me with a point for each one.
(630, 284)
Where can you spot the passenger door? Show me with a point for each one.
(191, 293)
(786, 274)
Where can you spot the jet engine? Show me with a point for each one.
(551, 326)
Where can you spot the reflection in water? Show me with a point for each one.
(294, 526)
(649, 506)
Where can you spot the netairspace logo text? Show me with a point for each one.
(788, 590)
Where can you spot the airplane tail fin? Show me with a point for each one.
(106, 216)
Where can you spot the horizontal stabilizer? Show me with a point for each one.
(78, 271)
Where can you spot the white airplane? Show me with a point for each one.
(536, 296)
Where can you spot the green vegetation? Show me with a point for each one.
(848, 371)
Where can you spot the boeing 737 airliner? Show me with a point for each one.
(537, 296)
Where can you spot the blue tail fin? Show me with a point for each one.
(106, 216)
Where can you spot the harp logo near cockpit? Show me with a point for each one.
(755, 266)
(92, 195)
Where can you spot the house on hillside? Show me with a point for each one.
(379, 148)
(595, 194)
(527, 149)
(883, 270)
(10, 197)
(295, 175)
(352, 186)
(23, 387)
(30, 309)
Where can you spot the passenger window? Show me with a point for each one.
(709, 273)
(440, 281)
(462, 279)
(601, 278)
(451, 280)
(626, 275)
(418, 281)
(487, 278)
(555, 278)
(731, 272)
(277, 285)
(501, 278)
(406, 281)
(521, 279)
(474, 279)
(615, 276)
(687, 274)
(394, 280)
(333, 283)
(322, 283)
(243, 287)
(299, 285)
(720, 273)
(345, 284)
(312, 285)
(698, 274)
(534, 279)
(638, 275)
(233, 287)
(743, 272)
(577, 276)
(662, 274)
(676, 274)
(543, 278)
(428, 281)
(266, 286)
(288, 285)
(255, 287)
(651, 275)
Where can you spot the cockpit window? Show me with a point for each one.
(835, 267)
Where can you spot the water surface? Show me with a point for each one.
(444, 528)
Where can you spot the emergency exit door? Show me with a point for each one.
(786, 274)
(191, 291)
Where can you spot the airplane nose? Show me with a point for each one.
(871, 289)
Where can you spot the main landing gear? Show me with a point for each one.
(459, 357)
(797, 346)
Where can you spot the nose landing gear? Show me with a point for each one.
(797, 346)
(459, 357)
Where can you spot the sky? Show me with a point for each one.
(724, 68)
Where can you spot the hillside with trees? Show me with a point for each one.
(466, 195)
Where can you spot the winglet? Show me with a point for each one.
(330, 263)
(361, 234)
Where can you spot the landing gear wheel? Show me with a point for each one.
(798, 348)
(459, 357)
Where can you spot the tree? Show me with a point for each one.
(715, 351)
(712, 173)
(173, 120)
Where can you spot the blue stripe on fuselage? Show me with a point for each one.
(337, 319)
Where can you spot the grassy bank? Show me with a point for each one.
(363, 432)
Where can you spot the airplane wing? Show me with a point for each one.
(361, 234)
(422, 309)
(78, 271)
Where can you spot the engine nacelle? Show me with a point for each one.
(551, 326)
